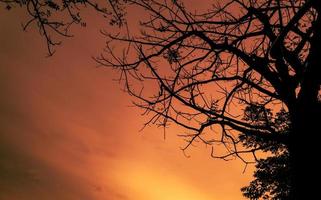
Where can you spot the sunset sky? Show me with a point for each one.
(68, 132)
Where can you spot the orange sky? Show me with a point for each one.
(68, 132)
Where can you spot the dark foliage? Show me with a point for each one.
(271, 179)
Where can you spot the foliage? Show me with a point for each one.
(272, 179)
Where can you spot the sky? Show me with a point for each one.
(69, 132)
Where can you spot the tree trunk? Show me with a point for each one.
(305, 146)
(304, 154)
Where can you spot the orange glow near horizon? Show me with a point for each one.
(68, 132)
(153, 184)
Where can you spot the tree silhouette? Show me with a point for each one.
(242, 76)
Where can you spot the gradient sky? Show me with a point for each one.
(68, 132)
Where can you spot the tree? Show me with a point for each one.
(246, 71)
(242, 76)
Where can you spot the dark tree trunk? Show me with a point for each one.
(305, 152)
(305, 146)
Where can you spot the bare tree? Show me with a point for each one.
(243, 75)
